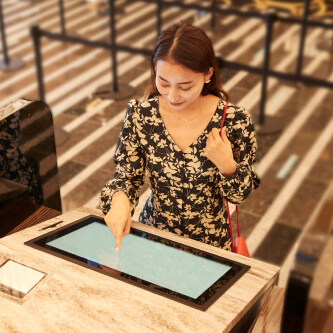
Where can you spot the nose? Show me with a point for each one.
(173, 95)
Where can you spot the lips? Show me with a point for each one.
(176, 104)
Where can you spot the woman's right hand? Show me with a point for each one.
(119, 217)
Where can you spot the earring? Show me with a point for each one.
(207, 81)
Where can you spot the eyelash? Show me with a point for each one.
(180, 88)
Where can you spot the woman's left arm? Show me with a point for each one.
(234, 155)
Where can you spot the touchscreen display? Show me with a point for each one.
(151, 261)
(174, 270)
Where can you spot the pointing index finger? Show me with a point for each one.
(117, 247)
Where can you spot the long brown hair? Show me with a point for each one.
(189, 46)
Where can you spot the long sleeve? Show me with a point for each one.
(129, 161)
(240, 132)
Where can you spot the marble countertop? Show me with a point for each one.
(72, 298)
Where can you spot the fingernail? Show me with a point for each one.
(117, 249)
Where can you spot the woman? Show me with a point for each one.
(175, 134)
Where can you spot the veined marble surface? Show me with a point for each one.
(72, 298)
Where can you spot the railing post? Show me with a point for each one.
(159, 17)
(60, 135)
(269, 27)
(302, 38)
(36, 35)
(213, 18)
(62, 17)
(113, 46)
(6, 64)
(267, 125)
(117, 91)
(3, 38)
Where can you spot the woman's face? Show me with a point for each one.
(180, 86)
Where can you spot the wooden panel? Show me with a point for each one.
(40, 215)
(308, 301)
(20, 213)
(319, 312)
(14, 212)
(269, 318)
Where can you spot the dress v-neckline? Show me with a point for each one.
(196, 140)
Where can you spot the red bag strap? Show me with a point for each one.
(229, 218)
(224, 113)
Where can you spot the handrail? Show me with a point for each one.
(269, 17)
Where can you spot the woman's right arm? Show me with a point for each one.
(119, 196)
(119, 217)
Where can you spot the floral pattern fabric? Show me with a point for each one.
(13, 164)
(188, 191)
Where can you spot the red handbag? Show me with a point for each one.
(240, 246)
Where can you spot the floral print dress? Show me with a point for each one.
(188, 191)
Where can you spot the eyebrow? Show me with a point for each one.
(178, 83)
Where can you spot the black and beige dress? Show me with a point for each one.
(188, 191)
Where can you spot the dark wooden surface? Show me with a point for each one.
(20, 213)
(13, 212)
(40, 215)
(10, 189)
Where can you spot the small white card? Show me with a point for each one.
(19, 277)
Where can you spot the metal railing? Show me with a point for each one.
(266, 73)
(7, 64)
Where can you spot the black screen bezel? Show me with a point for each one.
(202, 303)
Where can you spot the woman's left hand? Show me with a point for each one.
(218, 150)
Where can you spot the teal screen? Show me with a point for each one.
(152, 261)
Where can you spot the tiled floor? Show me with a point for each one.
(273, 216)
